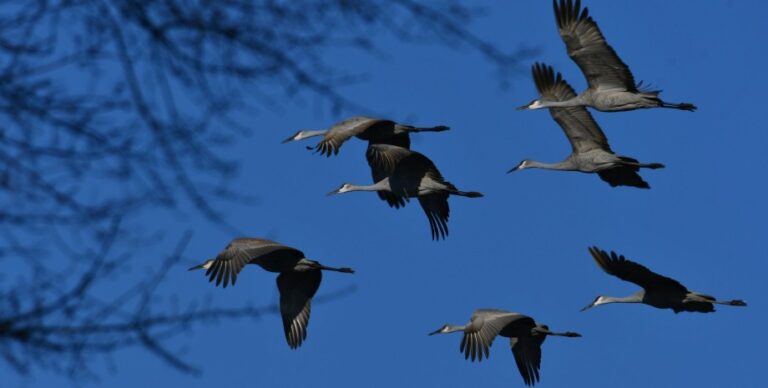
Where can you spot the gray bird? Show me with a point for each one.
(612, 87)
(298, 281)
(591, 152)
(525, 338)
(408, 174)
(658, 291)
(374, 130)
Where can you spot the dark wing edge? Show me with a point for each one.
(341, 132)
(579, 126)
(527, 354)
(624, 176)
(436, 208)
(382, 167)
(630, 271)
(296, 292)
(587, 46)
(227, 266)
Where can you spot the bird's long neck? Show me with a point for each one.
(454, 328)
(565, 165)
(576, 101)
(382, 185)
(311, 133)
(634, 298)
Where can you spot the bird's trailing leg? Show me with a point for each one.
(735, 302)
(317, 265)
(546, 331)
(682, 106)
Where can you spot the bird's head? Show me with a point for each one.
(597, 302)
(522, 166)
(447, 329)
(343, 189)
(206, 265)
(535, 104)
(296, 136)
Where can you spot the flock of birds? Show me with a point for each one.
(400, 173)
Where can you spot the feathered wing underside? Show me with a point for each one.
(382, 167)
(587, 46)
(624, 175)
(296, 292)
(400, 140)
(578, 124)
(240, 252)
(343, 131)
(527, 353)
(627, 270)
(436, 208)
(483, 328)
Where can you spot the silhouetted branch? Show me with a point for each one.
(111, 109)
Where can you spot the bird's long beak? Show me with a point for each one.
(290, 139)
(523, 107)
(334, 192)
(199, 266)
(587, 307)
(513, 169)
(436, 331)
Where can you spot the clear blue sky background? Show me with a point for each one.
(523, 247)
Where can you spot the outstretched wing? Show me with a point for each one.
(587, 47)
(382, 165)
(296, 292)
(436, 208)
(581, 129)
(343, 131)
(527, 353)
(483, 328)
(242, 251)
(624, 176)
(624, 269)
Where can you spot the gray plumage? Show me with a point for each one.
(374, 130)
(525, 338)
(658, 291)
(612, 87)
(408, 174)
(298, 281)
(590, 150)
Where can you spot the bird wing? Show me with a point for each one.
(581, 129)
(627, 270)
(624, 175)
(385, 160)
(527, 352)
(383, 166)
(343, 131)
(398, 139)
(436, 208)
(586, 45)
(483, 328)
(296, 292)
(240, 252)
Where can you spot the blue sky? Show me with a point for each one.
(523, 247)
